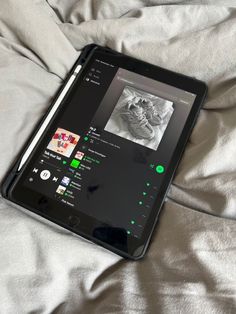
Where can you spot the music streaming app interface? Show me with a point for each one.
(111, 148)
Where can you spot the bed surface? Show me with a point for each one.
(191, 264)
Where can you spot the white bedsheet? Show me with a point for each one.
(191, 264)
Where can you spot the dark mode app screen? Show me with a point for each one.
(109, 152)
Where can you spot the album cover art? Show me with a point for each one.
(61, 189)
(63, 142)
(140, 117)
(79, 155)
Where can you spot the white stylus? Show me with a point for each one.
(49, 117)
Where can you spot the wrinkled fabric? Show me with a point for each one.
(191, 264)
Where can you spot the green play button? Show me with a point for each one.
(160, 169)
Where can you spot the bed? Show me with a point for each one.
(191, 264)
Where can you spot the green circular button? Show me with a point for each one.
(160, 169)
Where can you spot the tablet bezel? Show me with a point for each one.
(85, 225)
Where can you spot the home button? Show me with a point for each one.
(73, 221)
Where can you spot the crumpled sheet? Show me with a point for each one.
(191, 264)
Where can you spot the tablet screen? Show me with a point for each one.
(109, 149)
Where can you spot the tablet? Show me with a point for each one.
(101, 160)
